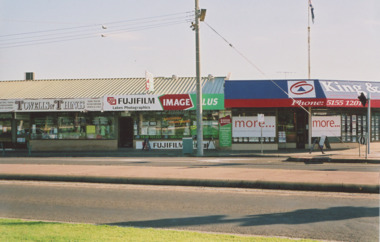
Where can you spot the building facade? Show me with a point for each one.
(105, 114)
(298, 111)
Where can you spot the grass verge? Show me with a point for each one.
(21, 230)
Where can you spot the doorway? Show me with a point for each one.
(302, 132)
(126, 132)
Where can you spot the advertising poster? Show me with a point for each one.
(225, 131)
(162, 102)
(250, 127)
(329, 126)
(51, 105)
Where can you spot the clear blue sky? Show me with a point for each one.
(345, 39)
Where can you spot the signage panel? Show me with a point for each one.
(171, 145)
(301, 89)
(349, 89)
(329, 126)
(163, 102)
(51, 105)
(132, 103)
(176, 102)
(225, 130)
(251, 127)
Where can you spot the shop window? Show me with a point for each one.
(353, 124)
(178, 124)
(175, 125)
(5, 129)
(100, 126)
(287, 124)
(211, 124)
(150, 125)
(71, 126)
(44, 126)
(375, 127)
(22, 123)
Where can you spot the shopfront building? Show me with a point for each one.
(106, 114)
(164, 119)
(298, 111)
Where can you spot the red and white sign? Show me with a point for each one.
(111, 100)
(176, 102)
(329, 126)
(131, 103)
(225, 120)
(301, 89)
(149, 82)
(251, 127)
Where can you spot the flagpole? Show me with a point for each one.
(308, 58)
(308, 37)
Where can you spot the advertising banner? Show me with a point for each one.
(132, 103)
(329, 126)
(172, 145)
(225, 131)
(210, 101)
(251, 127)
(51, 105)
(7, 105)
(163, 102)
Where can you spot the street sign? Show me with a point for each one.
(260, 117)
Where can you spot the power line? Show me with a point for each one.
(82, 33)
(233, 47)
(75, 35)
(187, 14)
(253, 65)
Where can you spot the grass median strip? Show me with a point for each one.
(21, 230)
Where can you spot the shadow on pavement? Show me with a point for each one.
(302, 216)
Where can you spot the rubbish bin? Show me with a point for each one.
(187, 145)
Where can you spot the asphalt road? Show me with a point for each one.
(327, 216)
(241, 162)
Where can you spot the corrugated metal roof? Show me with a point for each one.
(93, 88)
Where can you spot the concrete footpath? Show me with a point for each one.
(211, 176)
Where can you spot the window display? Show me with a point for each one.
(5, 129)
(175, 124)
(72, 126)
(44, 126)
(100, 126)
(287, 124)
(23, 127)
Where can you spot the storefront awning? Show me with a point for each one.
(293, 93)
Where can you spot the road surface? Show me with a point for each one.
(326, 216)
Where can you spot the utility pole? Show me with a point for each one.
(199, 87)
(368, 124)
(309, 69)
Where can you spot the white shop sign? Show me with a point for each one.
(329, 126)
(51, 105)
(251, 127)
(132, 103)
(172, 145)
